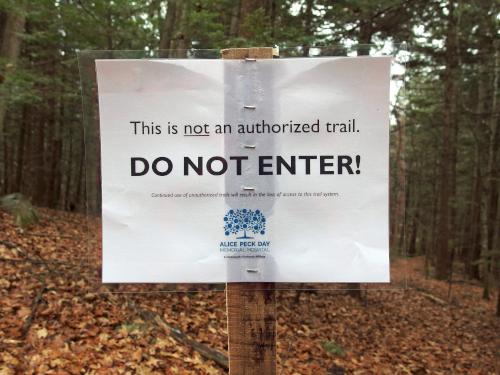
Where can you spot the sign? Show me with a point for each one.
(245, 170)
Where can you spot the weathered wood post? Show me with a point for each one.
(251, 307)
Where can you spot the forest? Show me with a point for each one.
(445, 180)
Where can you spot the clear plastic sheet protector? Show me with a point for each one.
(300, 200)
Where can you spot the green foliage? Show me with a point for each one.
(332, 347)
(21, 208)
(255, 25)
(206, 29)
(133, 328)
(21, 88)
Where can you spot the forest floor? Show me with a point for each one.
(55, 318)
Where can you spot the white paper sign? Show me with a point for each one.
(232, 170)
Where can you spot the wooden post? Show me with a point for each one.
(251, 307)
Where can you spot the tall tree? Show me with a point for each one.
(10, 46)
(445, 243)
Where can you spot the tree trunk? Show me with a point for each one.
(9, 52)
(90, 142)
(473, 240)
(69, 171)
(412, 245)
(182, 39)
(83, 185)
(167, 32)
(234, 28)
(271, 12)
(39, 186)
(447, 177)
(109, 28)
(308, 25)
(365, 38)
(398, 214)
(21, 150)
(174, 38)
(492, 217)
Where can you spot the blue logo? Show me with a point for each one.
(244, 221)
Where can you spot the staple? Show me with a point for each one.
(249, 146)
(252, 270)
(249, 106)
(248, 188)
